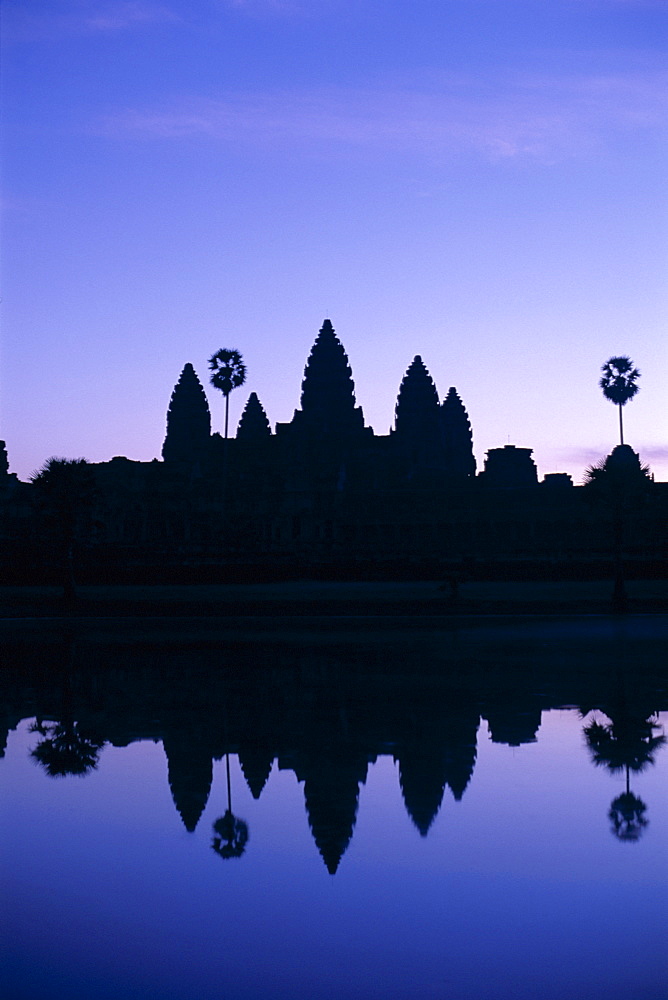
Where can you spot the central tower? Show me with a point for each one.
(328, 392)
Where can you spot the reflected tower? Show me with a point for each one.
(331, 792)
(256, 763)
(190, 773)
(442, 752)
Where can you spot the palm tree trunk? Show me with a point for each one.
(224, 468)
(621, 426)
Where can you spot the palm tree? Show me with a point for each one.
(231, 836)
(231, 832)
(627, 743)
(618, 383)
(66, 748)
(229, 372)
(627, 817)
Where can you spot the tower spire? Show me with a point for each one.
(416, 414)
(253, 426)
(188, 419)
(457, 437)
(328, 391)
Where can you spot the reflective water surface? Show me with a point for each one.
(467, 810)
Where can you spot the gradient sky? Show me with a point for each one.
(481, 183)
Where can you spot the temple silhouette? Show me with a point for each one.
(323, 494)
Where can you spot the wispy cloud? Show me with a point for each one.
(582, 456)
(654, 453)
(25, 24)
(657, 4)
(542, 118)
(118, 16)
(589, 456)
(258, 8)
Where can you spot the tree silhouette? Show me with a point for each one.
(229, 372)
(618, 383)
(627, 817)
(66, 749)
(231, 836)
(231, 833)
(65, 494)
(627, 743)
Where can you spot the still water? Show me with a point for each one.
(466, 810)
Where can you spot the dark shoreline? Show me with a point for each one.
(337, 600)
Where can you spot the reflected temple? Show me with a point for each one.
(326, 713)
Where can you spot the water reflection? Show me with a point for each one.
(65, 748)
(327, 711)
(628, 742)
(231, 833)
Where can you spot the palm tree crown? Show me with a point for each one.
(229, 372)
(618, 383)
(618, 380)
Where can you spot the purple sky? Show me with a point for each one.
(479, 183)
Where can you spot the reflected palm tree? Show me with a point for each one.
(231, 833)
(627, 816)
(66, 749)
(627, 743)
(231, 836)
